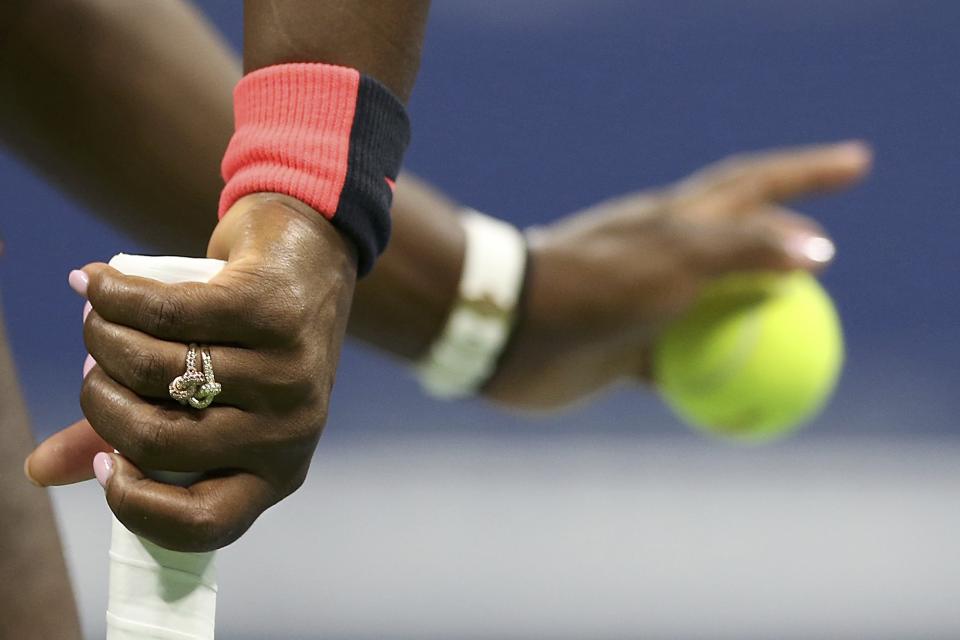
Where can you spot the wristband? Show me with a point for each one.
(466, 353)
(325, 135)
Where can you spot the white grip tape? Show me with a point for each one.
(156, 593)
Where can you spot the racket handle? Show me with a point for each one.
(156, 593)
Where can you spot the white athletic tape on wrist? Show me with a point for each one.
(156, 593)
(465, 355)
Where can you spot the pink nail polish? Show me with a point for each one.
(103, 468)
(856, 150)
(78, 282)
(87, 308)
(813, 249)
(88, 364)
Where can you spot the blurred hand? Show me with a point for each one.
(274, 319)
(606, 281)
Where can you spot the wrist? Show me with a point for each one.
(328, 136)
(529, 340)
(280, 223)
(415, 282)
(481, 319)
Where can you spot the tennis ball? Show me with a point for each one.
(756, 356)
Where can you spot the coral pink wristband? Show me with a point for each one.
(325, 135)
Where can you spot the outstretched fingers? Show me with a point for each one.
(749, 180)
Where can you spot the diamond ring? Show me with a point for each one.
(193, 387)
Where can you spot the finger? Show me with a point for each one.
(64, 457)
(777, 240)
(147, 366)
(207, 515)
(167, 436)
(225, 310)
(786, 174)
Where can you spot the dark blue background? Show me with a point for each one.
(532, 109)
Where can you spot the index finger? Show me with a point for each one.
(787, 174)
(222, 311)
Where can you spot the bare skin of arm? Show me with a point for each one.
(148, 161)
(725, 219)
(381, 39)
(120, 148)
(145, 154)
(140, 145)
(132, 122)
(33, 575)
(165, 138)
(633, 263)
(274, 318)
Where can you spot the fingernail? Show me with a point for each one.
(26, 472)
(78, 281)
(856, 150)
(88, 364)
(103, 468)
(87, 308)
(816, 249)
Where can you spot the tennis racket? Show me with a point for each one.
(156, 593)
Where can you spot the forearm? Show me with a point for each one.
(141, 144)
(381, 39)
(124, 105)
(397, 307)
(304, 210)
(35, 596)
(402, 306)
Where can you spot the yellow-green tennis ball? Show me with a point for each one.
(756, 356)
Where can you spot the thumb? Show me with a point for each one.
(65, 457)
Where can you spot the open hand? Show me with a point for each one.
(606, 281)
